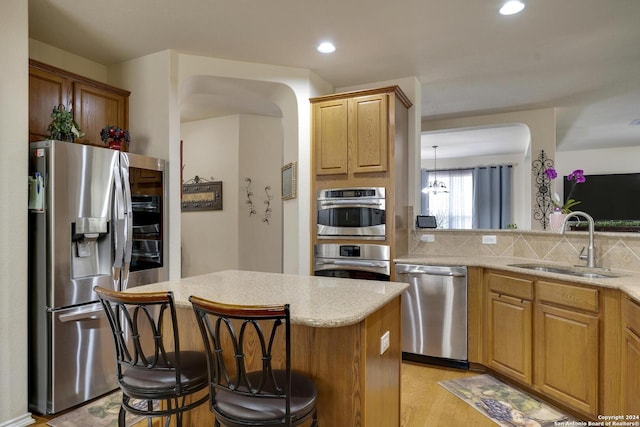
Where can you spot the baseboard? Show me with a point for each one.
(23, 420)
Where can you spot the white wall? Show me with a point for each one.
(14, 122)
(230, 149)
(260, 237)
(67, 61)
(292, 97)
(541, 124)
(210, 238)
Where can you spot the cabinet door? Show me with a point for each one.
(46, 91)
(566, 352)
(631, 374)
(95, 108)
(509, 337)
(368, 132)
(330, 137)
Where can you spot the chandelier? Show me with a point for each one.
(435, 186)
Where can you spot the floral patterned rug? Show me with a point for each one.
(506, 406)
(102, 412)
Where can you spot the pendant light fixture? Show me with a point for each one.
(435, 186)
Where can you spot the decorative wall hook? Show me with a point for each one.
(267, 211)
(543, 206)
(249, 194)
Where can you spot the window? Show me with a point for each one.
(455, 208)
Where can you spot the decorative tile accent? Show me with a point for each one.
(612, 250)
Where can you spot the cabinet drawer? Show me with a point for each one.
(568, 296)
(506, 285)
(631, 312)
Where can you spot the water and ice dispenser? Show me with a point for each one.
(91, 247)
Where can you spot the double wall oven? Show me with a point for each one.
(352, 213)
(355, 216)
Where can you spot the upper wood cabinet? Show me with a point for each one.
(96, 107)
(47, 90)
(352, 132)
(330, 136)
(94, 104)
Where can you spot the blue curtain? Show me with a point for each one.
(491, 197)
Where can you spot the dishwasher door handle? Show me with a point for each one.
(434, 270)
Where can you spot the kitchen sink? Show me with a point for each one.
(589, 273)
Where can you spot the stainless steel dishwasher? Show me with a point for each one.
(434, 314)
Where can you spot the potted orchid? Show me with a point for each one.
(576, 177)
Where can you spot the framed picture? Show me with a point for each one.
(289, 181)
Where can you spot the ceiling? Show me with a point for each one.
(580, 56)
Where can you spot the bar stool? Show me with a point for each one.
(149, 366)
(250, 383)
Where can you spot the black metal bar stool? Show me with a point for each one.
(149, 367)
(236, 340)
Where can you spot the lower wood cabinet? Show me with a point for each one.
(547, 336)
(567, 344)
(630, 375)
(509, 330)
(567, 357)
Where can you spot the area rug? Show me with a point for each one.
(503, 404)
(102, 412)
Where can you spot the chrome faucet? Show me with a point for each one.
(590, 256)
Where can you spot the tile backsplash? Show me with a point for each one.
(612, 250)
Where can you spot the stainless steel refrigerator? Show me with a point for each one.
(96, 217)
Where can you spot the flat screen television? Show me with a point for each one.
(612, 197)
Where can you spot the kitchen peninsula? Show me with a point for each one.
(337, 325)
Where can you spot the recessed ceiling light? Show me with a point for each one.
(511, 7)
(326, 47)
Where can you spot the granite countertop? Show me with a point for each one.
(628, 281)
(314, 301)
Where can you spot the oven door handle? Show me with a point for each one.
(352, 202)
(354, 263)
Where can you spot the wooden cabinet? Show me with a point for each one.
(567, 342)
(95, 107)
(360, 139)
(47, 90)
(351, 135)
(550, 336)
(330, 137)
(352, 132)
(630, 374)
(94, 104)
(510, 326)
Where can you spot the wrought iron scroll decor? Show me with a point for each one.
(267, 210)
(249, 201)
(543, 206)
(201, 194)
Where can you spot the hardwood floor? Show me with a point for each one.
(424, 402)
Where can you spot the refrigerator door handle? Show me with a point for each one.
(128, 243)
(118, 228)
(93, 312)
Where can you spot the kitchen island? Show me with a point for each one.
(337, 328)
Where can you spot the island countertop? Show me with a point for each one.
(314, 301)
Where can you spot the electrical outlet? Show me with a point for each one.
(489, 240)
(384, 342)
(428, 238)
